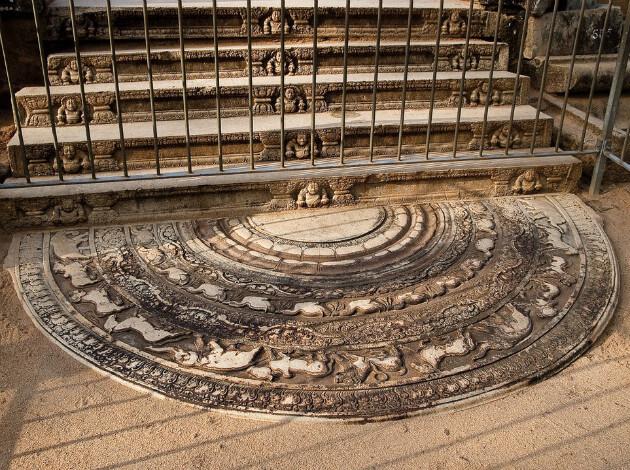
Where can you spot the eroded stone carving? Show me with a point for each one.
(70, 73)
(313, 195)
(454, 24)
(503, 138)
(528, 182)
(471, 61)
(272, 24)
(70, 111)
(273, 65)
(293, 101)
(481, 95)
(74, 160)
(299, 146)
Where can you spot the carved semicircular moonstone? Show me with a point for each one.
(336, 313)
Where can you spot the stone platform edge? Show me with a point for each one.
(184, 197)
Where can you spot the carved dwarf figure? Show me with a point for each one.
(273, 23)
(72, 161)
(69, 112)
(312, 196)
(479, 96)
(299, 147)
(293, 103)
(274, 65)
(70, 74)
(502, 138)
(67, 212)
(457, 62)
(454, 24)
(527, 183)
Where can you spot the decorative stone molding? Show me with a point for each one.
(101, 111)
(298, 61)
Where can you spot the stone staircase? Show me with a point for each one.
(557, 173)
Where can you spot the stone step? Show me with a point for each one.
(131, 60)
(266, 139)
(137, 199)
(128, 23)
(135, 102)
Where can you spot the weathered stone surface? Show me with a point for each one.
(394, 310)
(540, 7)
(266, 138)
(583, 73)
(563, 38)
(233, 60)
(574, 124)
(135, 98)
(227, 193)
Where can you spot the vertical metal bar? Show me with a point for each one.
(182, 57)
(282, 65)
(403, 98)
(625, 145)
(484, 124)
(314, 83)
(250, 74)
(543, 83)
(612, 107)
(112, 48)
(517, 82)
(598, 61)
(77, 55)
(377, 62)
(462, 81)
(217, 82)
(436, 62)
(342, 141)
(571, 67)
(51, 114)
(156, 149)
(14, 106)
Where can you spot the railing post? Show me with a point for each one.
(612, 106)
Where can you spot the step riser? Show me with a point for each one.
(233, 63)
(140, 153)
(217, 195)
(135, 104)
(128, 23)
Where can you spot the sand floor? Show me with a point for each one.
(57, 413)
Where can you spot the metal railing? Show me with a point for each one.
(603, 151)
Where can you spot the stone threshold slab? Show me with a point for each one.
(142, 196)
(268, 97)
(233, 60)
(353, 313)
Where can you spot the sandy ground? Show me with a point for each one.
(56, 413)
